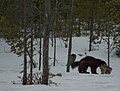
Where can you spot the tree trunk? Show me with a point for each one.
(25, 48)
(45, 58)
(108, 42)
(70, 37)
(40, 53)
(54, 51)
(56, 17)
(46, 44)
(91, 25)
(40, 44)
(91, 34)
(31, 57)
(108, 48)
(40, 34)
(25, 60)
(69, 53)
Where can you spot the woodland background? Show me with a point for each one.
(25, 24)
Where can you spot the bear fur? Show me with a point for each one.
(86, 62)
(105, 69)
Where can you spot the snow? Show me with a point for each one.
(72, 81)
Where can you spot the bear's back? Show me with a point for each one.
(91, 61)
(88, 58)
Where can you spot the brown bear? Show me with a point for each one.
(86, 62)
(105, 69)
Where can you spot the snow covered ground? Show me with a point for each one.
(73, 81)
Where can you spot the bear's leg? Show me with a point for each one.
(79, 69)
(93, 70)
(82, 69)
(85, 70)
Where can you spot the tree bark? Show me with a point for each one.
(25, 48)
(108, 48)
(54, 51)
(31, 57)
(56, 19)
(70, 36)
(25, 60)
(40, 44)
(91, 34)
(45, 75)
(40, 53)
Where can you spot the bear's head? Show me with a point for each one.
(105, 69)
